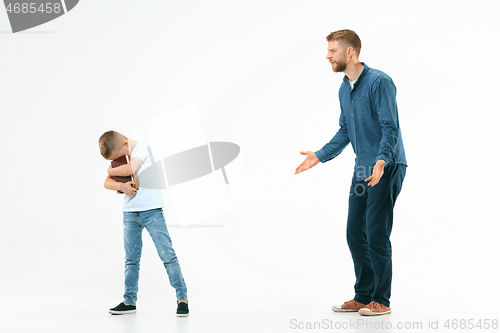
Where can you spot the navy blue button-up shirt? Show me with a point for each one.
(369, 121)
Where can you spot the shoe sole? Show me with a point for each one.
(371, 313)
(122, 312)
(343, 310)
(182, 314)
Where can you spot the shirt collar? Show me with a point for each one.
(363, 73)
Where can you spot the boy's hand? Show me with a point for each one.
(128, 188)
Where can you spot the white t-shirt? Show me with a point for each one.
(145, 198)
(352, 83)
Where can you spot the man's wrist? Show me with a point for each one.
(382, 157)
(316, 157)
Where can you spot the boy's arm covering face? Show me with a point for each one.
(111, 184)
(126, 169)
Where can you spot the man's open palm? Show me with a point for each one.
(310, 161)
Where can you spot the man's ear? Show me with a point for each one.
(350, 51)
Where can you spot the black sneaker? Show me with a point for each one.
(123, 309)
(182, 309)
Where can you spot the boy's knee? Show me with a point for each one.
(167, 256)
(132, 261)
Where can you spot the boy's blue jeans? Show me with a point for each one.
(369, 226)
(154, 222)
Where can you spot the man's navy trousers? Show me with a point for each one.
(369, 226)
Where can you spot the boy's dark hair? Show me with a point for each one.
(347, 38)
(110, 141)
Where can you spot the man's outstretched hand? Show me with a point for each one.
(310, 161)
(378, 171)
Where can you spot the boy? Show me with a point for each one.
(142, 208)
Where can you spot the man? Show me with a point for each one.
(369, 121)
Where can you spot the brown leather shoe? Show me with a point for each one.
(374, 309)
(350, 306)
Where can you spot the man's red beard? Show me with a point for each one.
(340, 67)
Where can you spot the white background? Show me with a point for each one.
(257, 72)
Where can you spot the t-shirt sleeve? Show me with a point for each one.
(140, 151)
